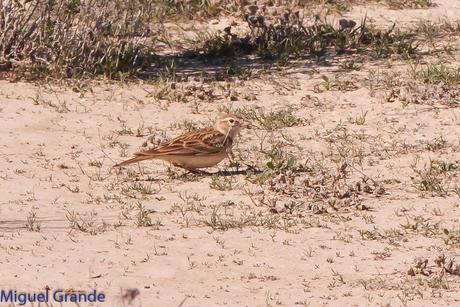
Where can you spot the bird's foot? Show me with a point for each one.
(192, 170)
(198, 172)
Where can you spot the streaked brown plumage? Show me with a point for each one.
(196, 149)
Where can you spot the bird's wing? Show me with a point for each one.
(194, 143)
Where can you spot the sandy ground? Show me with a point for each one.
(68, 221)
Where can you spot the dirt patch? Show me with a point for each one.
(344, 192)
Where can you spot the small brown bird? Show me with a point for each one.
(198, 148)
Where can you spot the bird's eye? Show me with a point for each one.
(231, 121)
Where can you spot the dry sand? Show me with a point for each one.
(57, 146)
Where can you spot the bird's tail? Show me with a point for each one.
(133, 160)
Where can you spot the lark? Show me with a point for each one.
(196, 149)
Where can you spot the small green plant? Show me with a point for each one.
(434, 177)
(436, 144)
(279, 159)
(361, 119)
(271, 120)
(409, 4)
(221, 183)
(338, 83)
(84, 224)
(451, 237)
(370, 234)
(32, 222)
(132, 188)
(421, 225)
(188, 10)
(438, 73)
(143, 216)
(438, 282)
(124, 129)
(351, 65)
(220, 219)
(430, 30)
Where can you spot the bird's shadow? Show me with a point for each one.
(226, 173)
(187, 174)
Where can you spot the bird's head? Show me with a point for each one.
(230, 124)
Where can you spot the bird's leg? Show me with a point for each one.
(231, 155)
(184, 167)
(190, 169)
(196, 171)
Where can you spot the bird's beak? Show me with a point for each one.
(246, 124)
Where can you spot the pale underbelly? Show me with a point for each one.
(195, 161)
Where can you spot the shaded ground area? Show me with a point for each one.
(346, 192)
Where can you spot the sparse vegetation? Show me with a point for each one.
(436, 177)
(221, 183)
(349, 169)
(85, 223)
(271, 120)
(32, 222)
(143, 216)
(288, 37)
(72, 38)
(436, 74)
(430, 84)
(121, 38)
(409, 4)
